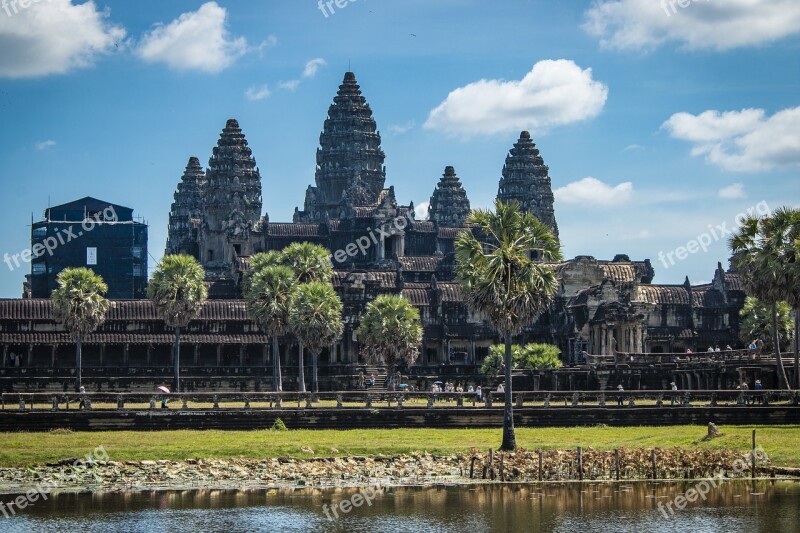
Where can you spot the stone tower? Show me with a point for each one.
(186, 211)
(449, 203)
(350, 167)
(232, 197)
(526, 180)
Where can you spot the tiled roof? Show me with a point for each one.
(418, 297)
(733, 282)
(706, 297)
(450, 233)
(292, 229)
(40, 309)
(618, 272)
(424, 263)
(450, 292)
(664, 294)
(364, 212)
(423, 226)
(131, 338)
(666, 333)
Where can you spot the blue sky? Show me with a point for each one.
(660, 124)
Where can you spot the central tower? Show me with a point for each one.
(350, 160)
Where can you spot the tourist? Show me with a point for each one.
(728, 348)
(759, 387)
(674, 389)
(501, 389)
(470, 389)
(372, 380)
(478, 393)
(710, 349)
(689, 350)
(745, 387)
(620, 397)
(716, 348)
(82, 402)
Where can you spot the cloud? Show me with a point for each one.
(732, 192)
(703, 24)
(399, 129)
(290, 85)
(741, 141)
(553, 93)
(197, 40)
(313, 66)
(257, 93)
(54, 37)
(45, 145)
(421, 211)
(592, 191)
(633, 148)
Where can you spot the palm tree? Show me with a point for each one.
(391, 332)
(758, 248)
(258, 262)
(310, 262)
(178, 292)
(502, 278)
(315, 318)
(268, 294)
(79, 305)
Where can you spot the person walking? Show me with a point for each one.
(82, 402)
(620, 397)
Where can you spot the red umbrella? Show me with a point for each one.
(163, 389)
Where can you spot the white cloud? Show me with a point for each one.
(257, 93)
(421, 211)
(53, 37)
(741, 141)
(399, 129)
(45, 145)
(197, 40)
(633, 148)
(732, 192)
(313, 66)
(642, 234)
(553, 93)
(592, 191)
(702, 24)
(290, 85)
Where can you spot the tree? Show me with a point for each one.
(756, 323)
(315, 318)
(533, 356)
(502, 278)
(309, 262)
(260, 261)
(760, 250)
(391, 333)
(268, 294)
(79, 305)
(178, 292)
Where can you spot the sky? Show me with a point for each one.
(661, 122)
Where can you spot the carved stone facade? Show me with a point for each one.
(449, 204)
(187, 211)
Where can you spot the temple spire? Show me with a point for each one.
(526, 180)
(449, 204)
(186, 210)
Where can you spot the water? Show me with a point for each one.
(732, 506)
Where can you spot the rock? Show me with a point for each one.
(713, 432)
(148, 463)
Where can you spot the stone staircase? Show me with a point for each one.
(380, 378)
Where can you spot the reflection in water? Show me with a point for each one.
(733, 506)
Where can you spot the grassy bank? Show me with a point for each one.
(24, 449)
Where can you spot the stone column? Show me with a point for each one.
(102, 354)
(602, 338)
(149, 355)
(126, 348)
(53, 355)
(196, 355)
(219, 355)
(30, 355)
(241, 355)
(472, 351)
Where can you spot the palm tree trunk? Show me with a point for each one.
(783, 383)
(78, 365)
(176, 351)
(314, 364)
(509, 437)
(301, 372)
(276, 366)
(797, 348)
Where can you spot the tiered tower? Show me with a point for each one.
(232, 200)
(349, 160)
(186, 211)
(449, 203)
(526, 180)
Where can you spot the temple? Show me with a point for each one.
(378, 246)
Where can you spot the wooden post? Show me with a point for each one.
(653, 461)
(539, 452)
(472, 466)
(580, 463)
(616, 462)
(753, 455)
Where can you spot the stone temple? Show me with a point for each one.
(377, 246)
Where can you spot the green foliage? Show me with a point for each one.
(78, 302)
(178, 290)
(390, 331)
(533, 356)
(310, 262)
(278, 425)
(496, 272)
(268, 296)
(260, 261)
(315, 315)
(756, 323)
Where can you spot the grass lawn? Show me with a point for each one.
(23, 449)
